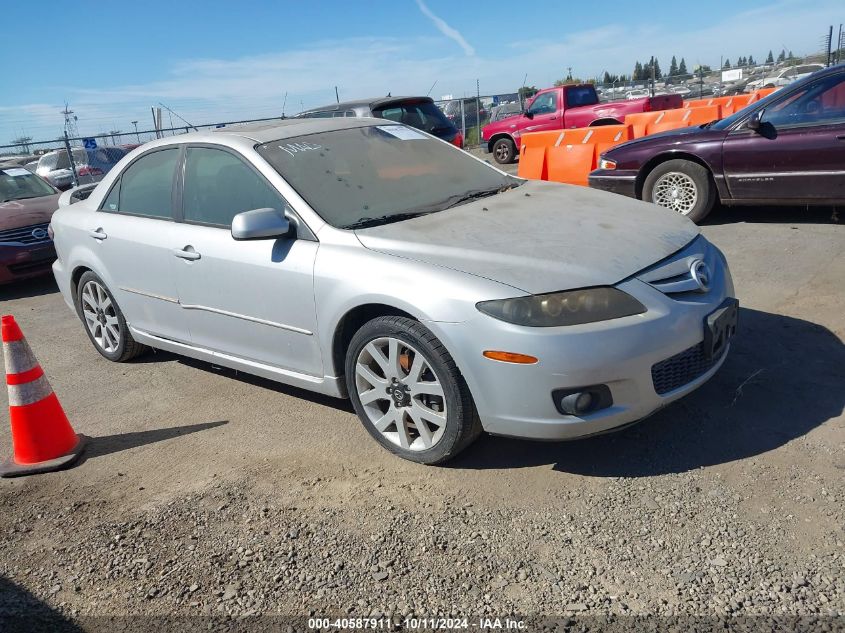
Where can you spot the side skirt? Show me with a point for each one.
(328, 385)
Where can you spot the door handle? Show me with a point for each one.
(98, 234)
(187, 253)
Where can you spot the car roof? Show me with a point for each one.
(374, 102)
(286, 128)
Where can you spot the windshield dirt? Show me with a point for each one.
(369, 175)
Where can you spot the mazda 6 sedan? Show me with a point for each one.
(357, 257)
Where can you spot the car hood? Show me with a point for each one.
(17, 213)
(540, 237)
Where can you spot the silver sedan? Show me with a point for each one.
(361, 258)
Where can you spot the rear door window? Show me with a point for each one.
(146, 187)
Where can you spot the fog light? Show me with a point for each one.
(582, 400)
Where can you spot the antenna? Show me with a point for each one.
(283, 104)
(432, 88)
(336, 96)
(177, 116)
(70, 122)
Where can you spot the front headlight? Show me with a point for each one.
(606, 163)
(563, 308)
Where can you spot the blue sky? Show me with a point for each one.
(218, 60)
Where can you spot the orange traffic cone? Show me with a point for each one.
(42, 438)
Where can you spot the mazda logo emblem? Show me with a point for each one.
(700, 272)
(39, 233)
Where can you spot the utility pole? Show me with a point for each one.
(829, 42)
(138, 136)
(70, 121)
(70, 158)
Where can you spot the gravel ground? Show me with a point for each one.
(206, 493)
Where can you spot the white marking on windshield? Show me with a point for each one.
(298, 148)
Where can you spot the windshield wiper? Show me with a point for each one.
(475, 195)
(362, 223)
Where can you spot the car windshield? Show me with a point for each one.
(727, 122)
(16, 183)
(423, 115)
(378, 174)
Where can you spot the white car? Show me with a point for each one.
(786, 76)
(636, 94)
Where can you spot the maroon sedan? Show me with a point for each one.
(27, 203)
(788, 148)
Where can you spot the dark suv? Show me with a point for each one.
(418, 112)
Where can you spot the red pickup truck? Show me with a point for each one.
(564, 107)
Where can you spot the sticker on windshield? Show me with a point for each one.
(402, 132)
(16, 171)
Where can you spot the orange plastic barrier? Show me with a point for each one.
(705, 114)
(696, 103)
(763, 92)
(540, 149)
(571, 163)
(640, 121)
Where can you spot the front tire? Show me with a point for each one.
(103, 320)
(504, 151)
(682, 186)
(408, 392)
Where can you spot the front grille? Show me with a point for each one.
(23, 235)
(681, 369)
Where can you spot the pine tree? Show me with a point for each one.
(782, 56)
(682, 67)
(751, 61)
(727, 64)
(673, 67)
(790, 56)
(770, 59)
(638, 71)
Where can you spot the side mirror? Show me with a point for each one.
(528, 114)
(755, 121)
(260, 224)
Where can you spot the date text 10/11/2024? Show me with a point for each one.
(421, 623)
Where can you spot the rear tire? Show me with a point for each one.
(504, 151)
(408, 392)
(104, 322)
(682, 186)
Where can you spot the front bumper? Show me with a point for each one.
(516, 400)
(614, 181)
(25, 262)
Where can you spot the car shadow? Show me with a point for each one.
(722, 214)
(160, 356)
(22, 612)
(783, 378)
(35, 287)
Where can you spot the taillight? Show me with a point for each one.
(458, 141)
(87, 170)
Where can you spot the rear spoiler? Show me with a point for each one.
(76, 194)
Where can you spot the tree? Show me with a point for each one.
(742, 61)
(727, 64)
(782, 56)
(751, 61)
(673, 67)
(790, 56)
(527, 91)
(770, 59)
(638, 71)
(682, 67)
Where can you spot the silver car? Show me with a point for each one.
(356, 257)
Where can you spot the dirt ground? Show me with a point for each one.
(206, 492)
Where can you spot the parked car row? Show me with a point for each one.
(91, 165)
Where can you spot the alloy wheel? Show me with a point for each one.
(401, 394)
(503, 152)
(100, 316)
(675, 191)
